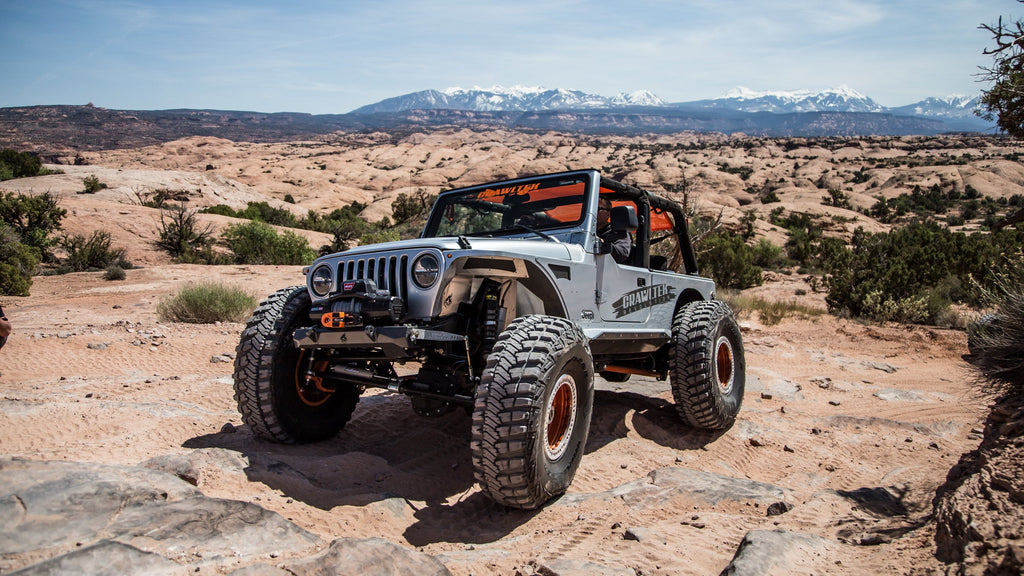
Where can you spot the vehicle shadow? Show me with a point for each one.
(617, 412)
(386, 451)
(474, 520)
(389, 455)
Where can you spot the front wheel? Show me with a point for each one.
(707, 367)
(274, 395)
(532, 411)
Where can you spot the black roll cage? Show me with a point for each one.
(647, 201)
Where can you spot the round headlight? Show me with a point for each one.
(425, 270)
(322, 281)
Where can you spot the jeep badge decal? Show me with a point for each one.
(643, 298)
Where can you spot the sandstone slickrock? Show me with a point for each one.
(664, 484)
(567, 567)
(105, 558)
(368, 557)
(764, 552)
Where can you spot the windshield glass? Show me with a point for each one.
(497, 209)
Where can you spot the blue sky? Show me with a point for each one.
(334, 56)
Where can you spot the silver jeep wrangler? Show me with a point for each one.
(507, 304)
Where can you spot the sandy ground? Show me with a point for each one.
(857, 423)
(833, 408)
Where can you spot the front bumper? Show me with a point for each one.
(391, 341)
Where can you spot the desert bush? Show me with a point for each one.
(17, 263)
(91, 185)
(409, 206)
(260, 212)
(913, 273)
(207, 303)
(34, 218)
(344, 221)
(727, 258)
(160, 197)
(14, 164)
(378, 235)
(769, 312)
(258, 243)
(182, 236)
(92, 252)
(114, 272)
(836, 198)
(767, 255)
(998, 346)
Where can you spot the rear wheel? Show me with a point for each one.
(274, 395)
(532, 411)
(707, 366)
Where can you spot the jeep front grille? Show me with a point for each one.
(388, 272)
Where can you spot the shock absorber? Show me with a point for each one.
(490, 313)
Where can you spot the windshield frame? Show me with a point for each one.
(512, 208)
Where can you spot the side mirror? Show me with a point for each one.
(623, 219)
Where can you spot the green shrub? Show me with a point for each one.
(258, 211)
(17, 263)
(727, 258)
(997, 352)
(14, 164)
(913, 273)
(767, 255)
(33, 218)
(221, 210)
(93, 252)
(160, 197)
(182, 236)
(378, 236)
(409, 206)
(207, 303)
(114, 272)
(92, 185)
(258, 243)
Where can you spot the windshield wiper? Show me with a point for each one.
(531, 230)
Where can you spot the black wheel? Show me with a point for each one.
(275, 398)
(707, 367)
(532, 411)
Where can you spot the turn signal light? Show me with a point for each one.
(338, 319)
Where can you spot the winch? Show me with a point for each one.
(359, 303)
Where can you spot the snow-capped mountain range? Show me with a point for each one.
(841, 99)
(955, 106)
(516, 98)
(536, 98)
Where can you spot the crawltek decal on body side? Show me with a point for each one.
(641, 298)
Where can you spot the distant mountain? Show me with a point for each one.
(54, 130)
(500, 99)
(842, 99)
(955, 106)
(955, 113)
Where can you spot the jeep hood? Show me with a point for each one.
(516, 247)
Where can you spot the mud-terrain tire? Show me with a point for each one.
(532, 411)
(707, 367)
(268, 367)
